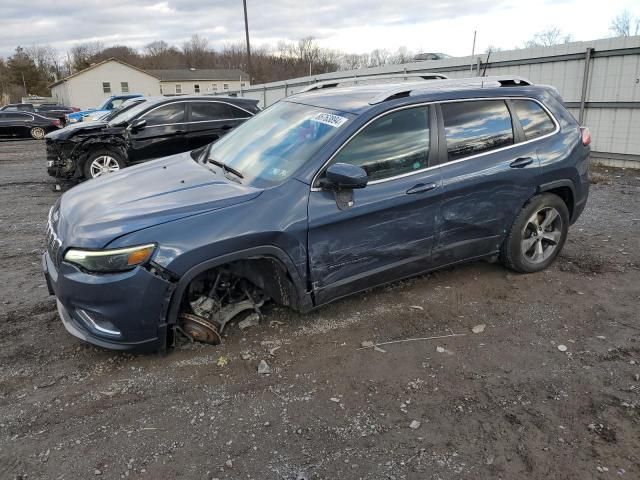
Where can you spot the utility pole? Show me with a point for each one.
(246, 31)
(473, 52)
(24, 85)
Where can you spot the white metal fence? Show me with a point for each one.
(599, 81)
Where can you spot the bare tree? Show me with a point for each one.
(547, 38)
(625, 24)
(196, 50)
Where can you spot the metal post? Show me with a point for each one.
(473, 52)
(264, 97)
(585, 84)
(478, 62)
(246, 31)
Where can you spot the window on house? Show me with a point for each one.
(178, 89)
(106, 87)
(124, 87)
(214, 86)
(196, 88)
(225, 86)
(242, 84)
(476, 127)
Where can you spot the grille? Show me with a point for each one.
(53, 244)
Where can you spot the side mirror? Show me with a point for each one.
(343, 176)
(138, 125)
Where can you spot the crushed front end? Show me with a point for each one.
(62, 158)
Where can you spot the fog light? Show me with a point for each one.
(100, 325)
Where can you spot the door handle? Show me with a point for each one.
(521, 162)
(422, 187)
(180, 132)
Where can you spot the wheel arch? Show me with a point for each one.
(91, 145)
(299, 300)
(565, 189)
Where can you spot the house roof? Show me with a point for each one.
(205, 74)
(95, 65)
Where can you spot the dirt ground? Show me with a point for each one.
(503, 403)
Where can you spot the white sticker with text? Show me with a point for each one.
(330, 119)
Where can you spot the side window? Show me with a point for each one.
(238, 113)
(167, 114)
(17, 117)
(117, 102)
(207, 111)
(534, 120)
(392, 145)
(106, 87)
(476, 127)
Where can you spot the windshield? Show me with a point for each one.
(128, 114)
(272, 145)
(116, 113)
(103, 105)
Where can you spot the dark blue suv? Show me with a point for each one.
(322, 195)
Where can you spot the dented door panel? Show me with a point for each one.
(387, 234)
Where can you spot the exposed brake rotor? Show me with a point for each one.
(199, 329)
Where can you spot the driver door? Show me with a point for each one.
(164, 133)
(389, 228)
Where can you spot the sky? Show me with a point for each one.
(352, 26)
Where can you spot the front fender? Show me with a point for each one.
(303, 301)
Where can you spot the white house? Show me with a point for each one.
(89, 87)
(192, 81)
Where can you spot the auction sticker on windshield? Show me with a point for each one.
(330, 119)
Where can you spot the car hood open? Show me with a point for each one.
(98, 211)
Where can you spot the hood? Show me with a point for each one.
(76, 128)
(98, 211)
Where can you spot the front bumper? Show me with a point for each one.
(121, 311)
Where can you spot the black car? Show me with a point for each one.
(154, 128)
(51, 110)
(25, 124)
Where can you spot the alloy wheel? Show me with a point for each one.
(37, 133)
(542, 234)
(103, 165)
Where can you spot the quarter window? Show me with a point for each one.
(392, 145)
(534, 120)
(167, 114)
(476, 127)
(203, 111)
(106, 87)
(124, 86)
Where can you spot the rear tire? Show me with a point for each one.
(537, 234)
(37, 133)
(102, 162)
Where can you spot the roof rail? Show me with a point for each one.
(368, 78)
(482, 82)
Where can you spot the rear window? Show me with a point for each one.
(475, 127)
(533, 118)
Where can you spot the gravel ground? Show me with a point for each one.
(503, 403)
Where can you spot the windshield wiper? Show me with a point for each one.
(226, 168)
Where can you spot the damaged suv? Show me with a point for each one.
(152, 128)
(324, 194)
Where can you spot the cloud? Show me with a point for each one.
(63, 24)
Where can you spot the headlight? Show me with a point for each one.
(117, 260)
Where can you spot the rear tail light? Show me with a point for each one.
(586, 136)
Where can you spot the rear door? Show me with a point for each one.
(210, 120)
(389, 229)
(489, 171)
(164, 133)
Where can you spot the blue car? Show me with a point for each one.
(106, 106)
(322, 195)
